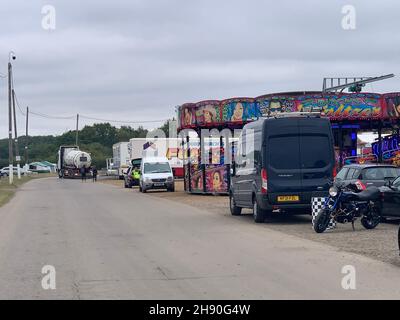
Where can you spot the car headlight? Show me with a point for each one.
(170, 179)
(333, 191)
(147, 180)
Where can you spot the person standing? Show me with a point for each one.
(83, 173)
(94, 174)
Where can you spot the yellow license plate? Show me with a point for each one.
(288, 198)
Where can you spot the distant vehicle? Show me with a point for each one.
(6, 171)
(132, 176)
(293, 161)
(366, 175)
(71, 160)
(121, 159)
(156, 173)
(159, 147)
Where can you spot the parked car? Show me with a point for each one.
(132, 176)
(293, 161)
(391, 198)
(156, 173)
(6, 171)
(366, 175)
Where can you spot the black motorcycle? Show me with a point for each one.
(344, 205)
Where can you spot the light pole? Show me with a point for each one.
(11, 56)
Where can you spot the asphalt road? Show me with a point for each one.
(107, 243)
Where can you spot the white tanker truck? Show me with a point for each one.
(71, 160)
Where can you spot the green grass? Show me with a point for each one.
(7, 190)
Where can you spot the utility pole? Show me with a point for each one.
(17, 157)
(10, 147)
(26, 139)
(77, 129)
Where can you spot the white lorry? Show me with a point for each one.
(121, 159)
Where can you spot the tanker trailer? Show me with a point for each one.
(71, 160)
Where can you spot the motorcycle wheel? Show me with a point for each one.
(322, 221)
(372, 221)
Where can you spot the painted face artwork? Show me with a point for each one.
(217, 183)
(209, 114)
(275, 106)
(188, 117)
(397, 108)
(199, 182)
(238, 112)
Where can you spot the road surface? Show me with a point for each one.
(108, 243)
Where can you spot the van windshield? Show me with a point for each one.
(299, 152)
(157, 167)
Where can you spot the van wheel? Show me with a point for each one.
(259, 214)
(235, 211)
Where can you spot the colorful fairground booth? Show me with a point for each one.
(350, 113)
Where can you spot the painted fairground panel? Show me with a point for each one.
(343, 106)
(187, 116)
(355, 106)
(216, 178)
(271, 105)
(238, 110)
(312, 103)
(196, 173)
(392, 104)
(208, 113)
(216, 170)
(196, 178)
(390, 149)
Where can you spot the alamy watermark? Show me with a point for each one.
(349, 17)
(349, 280)
(48, 17)
(49, 278)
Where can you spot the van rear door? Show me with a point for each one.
(316, 155)
(282, 159)
(299, 159)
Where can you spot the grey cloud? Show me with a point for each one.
(136, 60)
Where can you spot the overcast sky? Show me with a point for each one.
(135, 60)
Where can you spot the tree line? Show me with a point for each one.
(96, 139)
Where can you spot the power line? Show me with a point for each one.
(17, 103)
(123, 121)
(47, 116)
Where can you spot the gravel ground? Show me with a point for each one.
(380, 243)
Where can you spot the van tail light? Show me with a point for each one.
(334, 172)
(360, 186)
(264, 180)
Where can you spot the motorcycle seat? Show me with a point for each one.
(370, 194)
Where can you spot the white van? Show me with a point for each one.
(156, 173)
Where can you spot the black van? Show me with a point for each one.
(291, 159)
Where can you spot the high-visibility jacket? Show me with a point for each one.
(136, 174)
